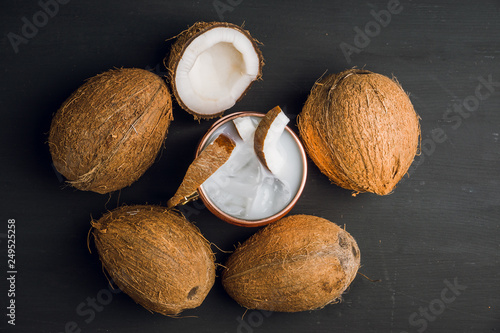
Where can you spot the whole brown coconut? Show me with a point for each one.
(156, 257)
(361, 130)
(298, 263)
(109, 131)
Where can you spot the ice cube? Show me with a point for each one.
(262, 203)
(219, 178)
(225, 195)
(236, 205)
(241, 186)
(282, 194)
(211, 186)
(240, 157)
(250, 174)
(216, 193)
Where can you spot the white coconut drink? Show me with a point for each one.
(211, 66)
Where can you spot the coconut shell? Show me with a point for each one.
(182, 42)
(209, 161)
(109, 131)
(298, 263)
(261, 133)
(361, 130)
(156, 257)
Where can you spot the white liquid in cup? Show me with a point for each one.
(244, 188)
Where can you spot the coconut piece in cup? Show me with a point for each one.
(245, 127)
(267, 136)
(211, 159)
(211, 66)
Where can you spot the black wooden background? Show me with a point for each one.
(434, 243)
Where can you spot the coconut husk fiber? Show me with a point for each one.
(361, 130)
(155, 256)
(210, 160)
(298, 263)
(109, 131)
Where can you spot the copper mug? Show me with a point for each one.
(236, 220)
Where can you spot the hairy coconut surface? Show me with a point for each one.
(361, 130)
(208, 75)
(156, 257)
(298, 263)
(109, 131)
(210, 159)
(267, 135)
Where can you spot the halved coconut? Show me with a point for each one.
(266, 139)
(211, 66)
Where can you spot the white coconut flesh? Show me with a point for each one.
(215, 70)
(273, 158)
(245, 127)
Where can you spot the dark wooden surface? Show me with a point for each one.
(440, 226)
